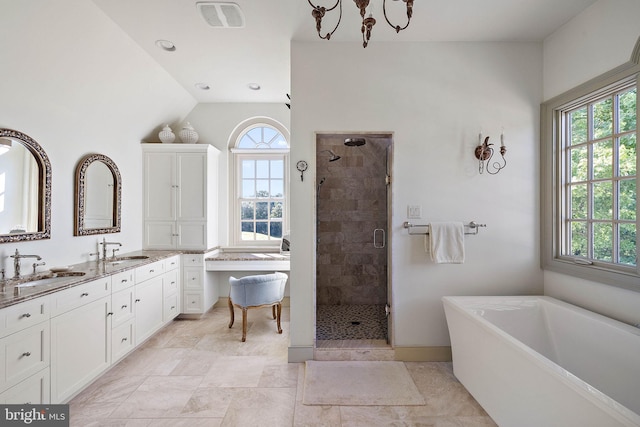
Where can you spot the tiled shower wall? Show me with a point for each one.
(351, 204)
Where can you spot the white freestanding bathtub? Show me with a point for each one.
(539, 362)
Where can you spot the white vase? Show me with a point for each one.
(166, 135)
(188, 134)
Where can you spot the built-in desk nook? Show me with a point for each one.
(245, 261)
(221, 265)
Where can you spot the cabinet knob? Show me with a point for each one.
(124, 281)
(110, 313)
(138, 300)
(26, 354)
(26, 315)
(84, 294)
(124, 339)
(124, 306)
(151, 271)
(172, 307)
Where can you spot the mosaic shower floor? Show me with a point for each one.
(351, 322)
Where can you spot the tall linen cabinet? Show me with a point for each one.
(181, 213)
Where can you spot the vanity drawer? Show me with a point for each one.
(192, 278)
(171, 284)
(122, 340)
(193, 302)
(172, 263)
(192, 260)
(170, 307)
(148, 271)
(80, 295)
(24, 353)
(122, 306)
(122, 280)
(32, 391)
(20, 316)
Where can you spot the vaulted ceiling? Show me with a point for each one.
(227, 60)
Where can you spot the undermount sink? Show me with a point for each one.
(123, 259)
(56, 278)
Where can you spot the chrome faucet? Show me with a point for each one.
(36, 265)
(16, 262)
(104, 244)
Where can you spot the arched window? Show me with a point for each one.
(260, 160)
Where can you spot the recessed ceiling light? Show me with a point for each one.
(203, 86)
(254, 86)
(166, 45)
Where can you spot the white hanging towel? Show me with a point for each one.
(446, 242)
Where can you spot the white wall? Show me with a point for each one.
(596, 41)
(435, 98)
(215, 123)
(73, 81)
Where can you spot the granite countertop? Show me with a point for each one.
(249, 256)
(10, 294)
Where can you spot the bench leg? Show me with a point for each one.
(244, 324)
(278, 308)
(231, 313)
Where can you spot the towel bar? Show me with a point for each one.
(472, 226)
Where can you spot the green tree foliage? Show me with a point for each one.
(602, 150)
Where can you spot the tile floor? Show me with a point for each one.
(197, 373)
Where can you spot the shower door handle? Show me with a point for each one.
(376, 244)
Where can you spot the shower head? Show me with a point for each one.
(333, 156)
(355, 142)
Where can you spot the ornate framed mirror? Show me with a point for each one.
(25, 188)
(97, 197)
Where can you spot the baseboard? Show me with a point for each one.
(300, 354)
(423, 354)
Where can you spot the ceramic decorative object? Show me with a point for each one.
(166, 135)
(188, 134)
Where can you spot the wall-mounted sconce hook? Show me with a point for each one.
(484, 153)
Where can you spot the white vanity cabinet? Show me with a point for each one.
(171, 289)
(200, 292)
(123, 319)
(80, 337)
(24, 352)
(180, 196)
(53, 346)
(148, 299)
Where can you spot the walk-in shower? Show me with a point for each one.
(352, 287)
(332, 156)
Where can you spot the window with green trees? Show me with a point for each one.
(589, 178)
(259, 175)
(600, 178)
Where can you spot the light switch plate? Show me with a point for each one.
(414, 211)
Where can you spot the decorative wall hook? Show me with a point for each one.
(302, 166)
(484, 154)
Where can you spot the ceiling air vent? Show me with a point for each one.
(221, 14)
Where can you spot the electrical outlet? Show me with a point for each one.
(414, 211)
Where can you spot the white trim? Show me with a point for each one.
(234, 180)
(259, 150)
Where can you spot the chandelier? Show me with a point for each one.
(367, 23)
